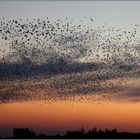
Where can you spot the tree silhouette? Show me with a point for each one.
(94, 133)
(23, 133)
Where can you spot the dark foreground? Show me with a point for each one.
(26, 133)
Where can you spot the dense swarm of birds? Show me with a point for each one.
(50, 60)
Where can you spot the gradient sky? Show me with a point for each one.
(123, 110)
(114, 12)
(59, 117)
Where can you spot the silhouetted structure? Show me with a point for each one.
(24, 133)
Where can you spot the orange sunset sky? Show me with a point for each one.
(67, 65)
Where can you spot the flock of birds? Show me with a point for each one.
(81, 60)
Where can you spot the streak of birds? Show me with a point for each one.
(51, 60)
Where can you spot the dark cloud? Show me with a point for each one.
(129, 95)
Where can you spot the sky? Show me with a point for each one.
(69, 75)
(122, 13)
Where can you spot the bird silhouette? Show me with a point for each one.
(73, 58)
